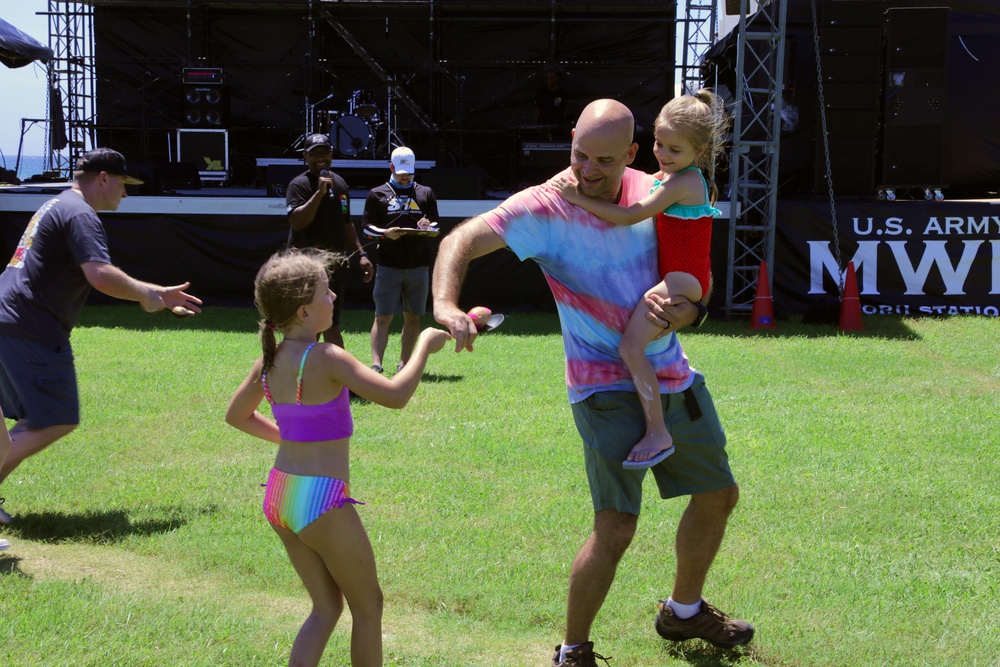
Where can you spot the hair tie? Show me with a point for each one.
(269, 324)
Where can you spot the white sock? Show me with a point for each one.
(562, 651)
(684, 611)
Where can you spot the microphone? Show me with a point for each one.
(325, 173)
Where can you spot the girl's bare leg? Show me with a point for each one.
(339, 539)
(639, 333)
(327, 600)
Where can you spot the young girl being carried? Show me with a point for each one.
(308, 500)
(688, 133)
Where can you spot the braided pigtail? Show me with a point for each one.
(268, 343)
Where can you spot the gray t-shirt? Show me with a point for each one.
(42, 288)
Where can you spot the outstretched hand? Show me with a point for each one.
(436, 338)
(160, 297)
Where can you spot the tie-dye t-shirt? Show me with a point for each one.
(597, 272)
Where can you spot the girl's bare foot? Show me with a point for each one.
(653, 448)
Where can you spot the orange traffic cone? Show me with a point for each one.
(762, 316)
(850, 306)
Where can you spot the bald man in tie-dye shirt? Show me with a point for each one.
(597, 273)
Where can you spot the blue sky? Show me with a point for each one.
(22, 90)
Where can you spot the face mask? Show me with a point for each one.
(392, 179)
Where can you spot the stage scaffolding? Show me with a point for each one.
(753, 167)
(700, 29)
(71, 73)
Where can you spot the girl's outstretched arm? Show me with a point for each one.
(242, 411)
(392, 392)
(670, 192)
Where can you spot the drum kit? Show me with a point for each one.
(360, 131)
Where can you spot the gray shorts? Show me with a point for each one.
(611, 423)
(401, 290)
(38, 383)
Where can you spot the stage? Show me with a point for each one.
(911, 257)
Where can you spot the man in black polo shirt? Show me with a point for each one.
(319, 213)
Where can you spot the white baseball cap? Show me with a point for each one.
(403, 160)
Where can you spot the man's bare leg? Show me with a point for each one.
(594, 570)
(699, 535)
(25, 442)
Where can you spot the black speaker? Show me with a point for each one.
(206, 107)
(916, 37)
(852, 165)
(915, 97)
(912, 157)
(913, 103)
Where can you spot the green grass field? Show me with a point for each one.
(868, 531)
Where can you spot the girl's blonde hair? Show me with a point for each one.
(701, 119)
(286, 281)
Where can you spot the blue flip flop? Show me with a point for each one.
(641, 465)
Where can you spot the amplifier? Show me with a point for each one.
(529, 147)
(201, 75)
(538, 160)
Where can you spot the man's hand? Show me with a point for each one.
(367, 269)
(158, 298)
(460, 325)
(670, 313)
(325, 183)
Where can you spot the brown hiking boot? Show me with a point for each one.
(709, 624)
(581, 656)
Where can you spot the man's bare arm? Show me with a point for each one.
(472, 239)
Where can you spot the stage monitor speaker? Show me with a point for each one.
(206, 107)
(916, 37)
(454, 182)
(165, 177)
(209, 149)
(278, 176)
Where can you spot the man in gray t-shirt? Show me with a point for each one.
(61, 255)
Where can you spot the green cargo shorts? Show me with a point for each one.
(611, 423)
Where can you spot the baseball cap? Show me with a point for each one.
(105, 159)
(402, 160)
(314, 140)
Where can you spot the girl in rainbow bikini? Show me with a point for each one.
(307, 500)
(688, 135)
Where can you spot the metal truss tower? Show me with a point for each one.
(700, 21)
(753, 168)
(72, 75)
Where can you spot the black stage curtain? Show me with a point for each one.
(220, 256)
(462, 77)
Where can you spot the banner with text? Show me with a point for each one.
(910, 257)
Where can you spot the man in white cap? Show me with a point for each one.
(405, 214)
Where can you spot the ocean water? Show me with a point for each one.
(30, 164)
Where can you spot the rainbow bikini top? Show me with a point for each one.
(311, 423)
